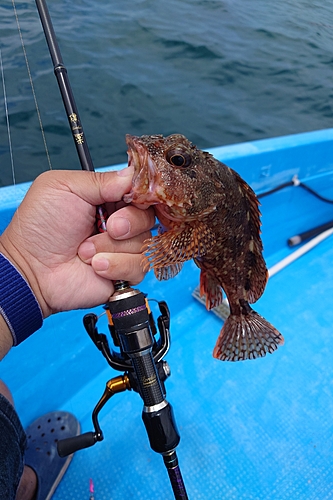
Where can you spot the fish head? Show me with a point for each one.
(173, 174)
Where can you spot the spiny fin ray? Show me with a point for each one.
(167, 272)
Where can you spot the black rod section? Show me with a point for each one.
(69, 103)
(176, 478)
(65, 88)
(311, 233)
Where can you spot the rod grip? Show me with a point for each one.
(161, 429)
(68, 446)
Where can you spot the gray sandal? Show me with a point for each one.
(41, 453)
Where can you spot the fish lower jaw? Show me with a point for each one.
(140, 199)
(148, 195)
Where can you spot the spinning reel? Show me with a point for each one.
(133, 331)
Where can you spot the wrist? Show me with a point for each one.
(19, 307)
(21, 263)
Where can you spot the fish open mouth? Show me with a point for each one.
(145, 177)
(148, 187)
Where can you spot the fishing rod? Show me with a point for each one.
(69, 102)
(65, 88)
(131, 323)
(310, 233)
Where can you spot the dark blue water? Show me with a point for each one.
(219, 72)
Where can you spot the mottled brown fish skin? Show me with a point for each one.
(210, 214)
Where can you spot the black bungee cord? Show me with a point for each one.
(310, 233)
(131, 324)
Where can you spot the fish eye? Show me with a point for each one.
(178, 159)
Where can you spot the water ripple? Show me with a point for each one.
(217, 71)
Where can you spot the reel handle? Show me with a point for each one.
(68, 446)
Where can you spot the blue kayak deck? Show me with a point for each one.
(259, 429)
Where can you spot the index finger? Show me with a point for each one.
(129, 222)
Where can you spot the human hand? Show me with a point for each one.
(52, 239)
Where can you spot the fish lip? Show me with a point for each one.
(144, 167)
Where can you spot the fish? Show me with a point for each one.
(207, 213)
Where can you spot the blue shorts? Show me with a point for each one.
(12, 447)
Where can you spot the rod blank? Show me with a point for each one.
(311, 233)
(65, 88)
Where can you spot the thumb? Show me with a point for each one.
(94, 188)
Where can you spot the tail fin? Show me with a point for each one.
(246, 336)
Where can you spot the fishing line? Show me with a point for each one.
(7, 119)
(8, 131)
(32, 86)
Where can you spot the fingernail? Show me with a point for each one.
(119, 226)
(87, 250)
(100, 264)
(126, 172)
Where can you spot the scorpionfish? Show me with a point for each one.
(207, 213)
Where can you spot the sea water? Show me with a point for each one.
(218, 71)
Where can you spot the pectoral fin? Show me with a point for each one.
(177, 245)
(168, 272)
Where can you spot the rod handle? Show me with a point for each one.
(161, 428)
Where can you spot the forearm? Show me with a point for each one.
(6, 339)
